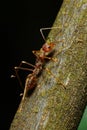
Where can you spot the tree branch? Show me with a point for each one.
(51, 107)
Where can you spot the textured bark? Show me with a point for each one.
(51, 107)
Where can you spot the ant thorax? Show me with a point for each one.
(39, 64)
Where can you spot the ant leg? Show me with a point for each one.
(27, 63)
(49, 28)
(64, 86)
(24, 93)
(21, 68)
(18, 77)
(36, 53)
(50, 58)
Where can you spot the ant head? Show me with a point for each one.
(47, 47)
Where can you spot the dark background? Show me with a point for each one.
(20, 22)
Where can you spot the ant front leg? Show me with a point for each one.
(50, 58)
(41, 56)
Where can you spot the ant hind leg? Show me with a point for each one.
(59, 81)
(17, 68)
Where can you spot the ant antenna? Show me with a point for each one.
(49, 28)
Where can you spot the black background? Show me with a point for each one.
(20, 22)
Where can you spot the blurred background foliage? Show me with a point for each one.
(83, 122)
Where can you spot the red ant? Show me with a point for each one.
(41, 55)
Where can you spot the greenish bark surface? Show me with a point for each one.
(51, 107)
